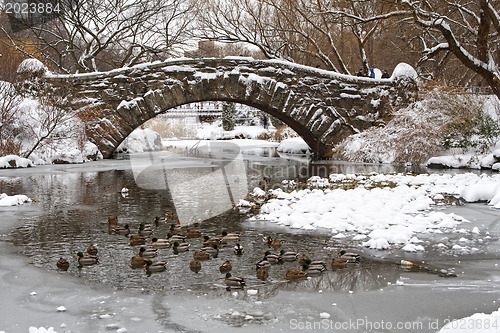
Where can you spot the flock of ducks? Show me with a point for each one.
(210, 248)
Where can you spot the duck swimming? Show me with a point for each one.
(137, 240)
(62, 264)
(195, 266)
(86, 260)
(233, 281)
(201, 256)
(289, 255)
(155, 266)
(180, 247)
(92, 250)
(147, 253)
(226, 267)
(137, 262)
(161, 243)
(273, 258)
(349, 256)
(238, 249)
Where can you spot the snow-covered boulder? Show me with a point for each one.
(496, 155)
(488, 161)
(139, 141)
(14, 161)
(294, 146)
(403, 71)
(32, 68)
(453, 162)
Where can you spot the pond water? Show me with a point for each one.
(74, 202)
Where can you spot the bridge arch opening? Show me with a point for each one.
(204, 121)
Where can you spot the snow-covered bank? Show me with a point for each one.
(461, 129)
(380, 211)
(14, 161)
(13, 200)
(477, 323)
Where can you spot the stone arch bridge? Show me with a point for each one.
(323, 107)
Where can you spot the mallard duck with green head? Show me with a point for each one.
(147, 252)
(86, 260)
(229, 238)
(160, 243)
(225, 267)
(349, 256)
(144, 230)
(180, 247)
(288, 255)
(155, 266)
(233, 281)
(213, 250)
(174, 227)
(313, 270)
(273, 258)
(263, 263)
(62, 264)
(175, 238)
(125, 230)
(210, 241)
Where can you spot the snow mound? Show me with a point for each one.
(14, 161)
(475, 323)
(381, 210)
(33, 67)
(13, 200)
(139, 141)
(294, 146)
(403, 70)
(34, 329)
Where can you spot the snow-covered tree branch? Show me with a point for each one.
(95, 35)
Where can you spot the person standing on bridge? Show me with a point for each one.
(264, 121)
(360, 73)
(372, 73)
(385, 75)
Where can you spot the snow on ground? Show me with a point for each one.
(294, 146)
(215, 131)
(14, 161)
(13, 200)
(381, 211)
(477, 323)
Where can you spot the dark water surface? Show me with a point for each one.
(75, 201)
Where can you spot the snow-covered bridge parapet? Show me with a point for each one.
(323, 107)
